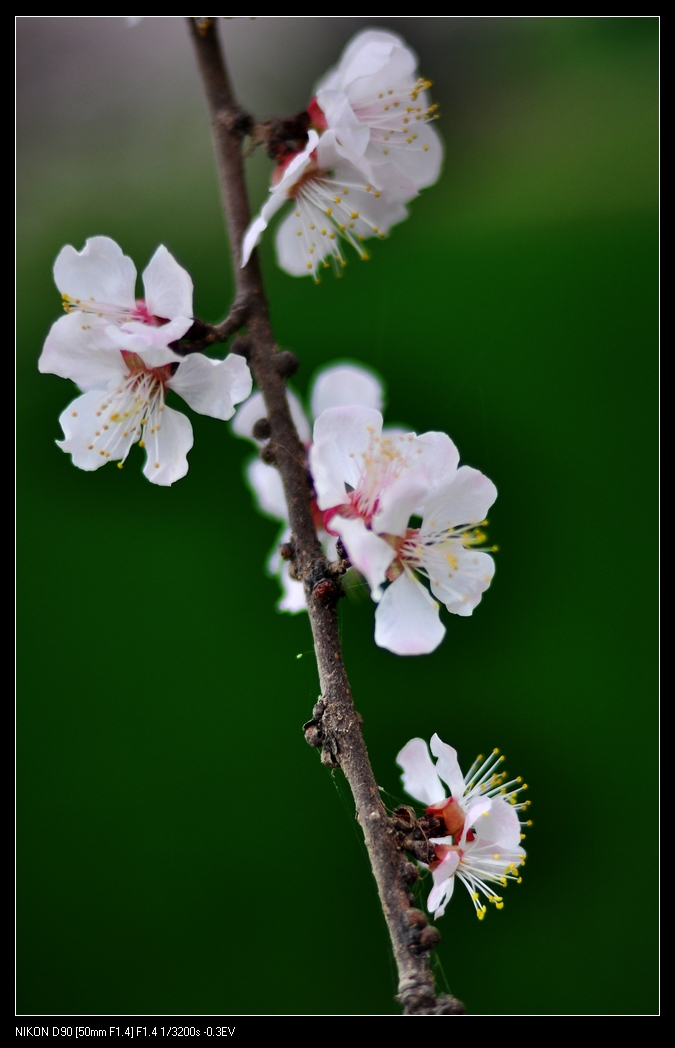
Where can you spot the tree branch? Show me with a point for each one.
(336, 726)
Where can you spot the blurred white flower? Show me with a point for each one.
(481, 845)
(369, 484)
(335, 385)
(334, 201)
(377, 106)
(117, 349)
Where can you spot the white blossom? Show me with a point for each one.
(481, 844)
(377, 106)
(332, 201)
(116, 348)
(369, 485)
(337, 384)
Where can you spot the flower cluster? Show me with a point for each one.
(118, 350)
(338, 385)
(480, 844)
(369, 484)
(369, 152)
(408, 516)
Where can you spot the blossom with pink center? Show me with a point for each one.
(481, 843)
(377, 106)
(336, 385)
(369, 485)
(332, 201)
(117, 349)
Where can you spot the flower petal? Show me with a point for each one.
(448, 767)
(100, 272)
(168, 287)
(420, 778)
(293, 592)
(501, 824)
(278, 197)
(265, 482)
(91, 439)
(444, 884)
(439, 457)
(167, 448)
(464, 499)
(83, 352)
(135, 336)
(398, 502)
(370, 53)
(254, 409)
(345, 385)
(419, 161)
(212, 387)
(407, 620)
(292, 250)
(352, 135)
(370, 554)
(341, 439)
(459, 577)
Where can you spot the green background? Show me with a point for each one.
(181, 850)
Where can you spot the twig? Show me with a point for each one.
(336, 726)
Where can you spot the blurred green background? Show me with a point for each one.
(181, 850)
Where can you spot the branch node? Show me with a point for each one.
(261, 431)
(327, 592)
(313, 735)
(417, 919)
(429, 938)
(287, 550)
(329, 755)
(286, 363)
(242, 347)
(268, 453)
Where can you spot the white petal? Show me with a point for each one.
(477, 814)
(371, 52)
(135, 336)
(407, 620)
(247, 416)
(278, 197)
(341, 438)
(297, 166)
(466, 499)
(345, 385)
(293, 249)
(83, 352)
(168, 287)
(268, 489)
(153, 356)
(98, 273)
(444, 884)
(85, 438)
(448, 767)
(501, 824)
(398, 503)
(420, 779)
(439, 457)
(422, 166)
(351, 134)
(459, 577)
(212, 387)
(370, 554)
(167, 449)
(293, 592)
(254, 409)
(394, 189)
(253, 234)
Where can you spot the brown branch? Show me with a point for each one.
(336, 725)
(202, 335)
